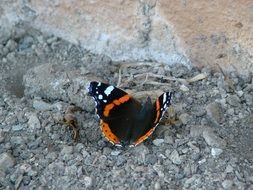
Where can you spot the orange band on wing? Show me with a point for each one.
(108, 133)
(107, 109)
(144, 137)
(117, 102)
(124, 99)
(157, 111)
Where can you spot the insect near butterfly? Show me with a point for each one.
(124, 120)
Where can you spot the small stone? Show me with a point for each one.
(197, 130)
(215, 152)
(185, 150)
(240, 93)
(184, 118)
(159, 170)
(233, 100)
(250, 179)
(25, 43)
(18, 127)
(158, 142)
(184, 88)
(18, 182)
(229, 169)
(6, 161)
(52, 39)
(193, 146)
(175, 158)
(41, 105)
(25, 168)
(227, 184)
(67, 150)
(79, 147)
(42, 188)
(214, 112)
(157, 186)
(150, 159)
(87, 181)
(199, 112)
(213, 140)
(17, 140)
(168, 139)
(11, 45)
(51, 156)
(248, 99)
(70, 170)
(1, 136)
(202, 161)
(5, 51)
(115, 152)
(34, 122)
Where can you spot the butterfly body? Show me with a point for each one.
(124, 120)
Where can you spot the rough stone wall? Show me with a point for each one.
(200, 32)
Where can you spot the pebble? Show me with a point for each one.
(70, 170)
(197, 130)
(213, 140)
(115, 152)
(6, 161)
(158, 142)
(169, 139)
(227, 184)
(33, 122)
(52, 39)
(248, 99)
(18, 182)
(214, 112)
(184, 118)
(41, 105)
(175, 158)
(233, 100)
(67, 150)
(215, 152)
(17, 140)
(240, 93)
(159, 170)
(11, 45)
(229, 169)
(184, 88)
(18, 127)
(1, 136)
(157, 186)
(87, 181)
(25, 167)
(25, 43)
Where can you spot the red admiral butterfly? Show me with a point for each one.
(124, 120)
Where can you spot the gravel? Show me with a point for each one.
(205, 144)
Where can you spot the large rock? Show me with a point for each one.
(200, 32)
(59, 82)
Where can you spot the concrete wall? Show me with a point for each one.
(199, 32)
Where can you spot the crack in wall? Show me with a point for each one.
(147, 10)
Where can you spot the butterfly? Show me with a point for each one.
(124, 120)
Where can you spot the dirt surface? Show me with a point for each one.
(204, 142)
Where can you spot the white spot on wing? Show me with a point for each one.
(100, 97)
(99, 84)
(108, 90)
(164, 98)
(104, 101)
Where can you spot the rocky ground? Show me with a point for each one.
(204, 143)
